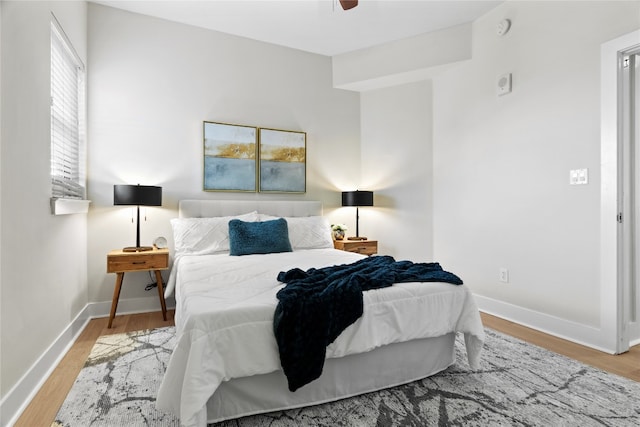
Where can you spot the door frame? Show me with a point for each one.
(614, 316)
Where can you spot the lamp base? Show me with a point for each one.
(137, 249)
(356, 238)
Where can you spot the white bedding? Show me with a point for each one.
(224, 321)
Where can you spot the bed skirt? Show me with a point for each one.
(384, 367)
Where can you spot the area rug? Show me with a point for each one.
(518, 384)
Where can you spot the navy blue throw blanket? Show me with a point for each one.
(316, 305)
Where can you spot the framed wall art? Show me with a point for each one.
(230, 154)
(283, 161)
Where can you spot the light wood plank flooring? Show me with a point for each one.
(626, 365)
(42, 410)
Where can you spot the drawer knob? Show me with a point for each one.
(139, 262)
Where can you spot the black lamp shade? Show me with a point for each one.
(357, 198)
(140, 195)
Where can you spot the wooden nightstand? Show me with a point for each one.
(365, 247)
(122, 262)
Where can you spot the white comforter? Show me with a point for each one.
(224, 322)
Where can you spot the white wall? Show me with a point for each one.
(396, 116)
(43, 259)
(396, 165)
(151, 85)
(402, 61)
(501, 164)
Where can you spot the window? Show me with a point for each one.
(68, 179)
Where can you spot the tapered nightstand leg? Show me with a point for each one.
(161, 294)
(116, 297)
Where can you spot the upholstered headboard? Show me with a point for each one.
(213, 208)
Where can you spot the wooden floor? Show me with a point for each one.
(44, 407)
(625, 365)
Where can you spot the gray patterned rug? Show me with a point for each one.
(518, 385)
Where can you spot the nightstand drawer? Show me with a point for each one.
(122, 263)
(364, 247)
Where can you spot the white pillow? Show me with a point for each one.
(309, 232)
(306, 232)
(203, 236)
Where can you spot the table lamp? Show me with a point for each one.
(357, 198)
(137, 195)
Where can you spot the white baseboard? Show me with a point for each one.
(17, 399)
(129, 306)
(571, 331)
(634, 333)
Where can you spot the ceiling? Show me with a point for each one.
(317, 26)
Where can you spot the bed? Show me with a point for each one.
(226, 363)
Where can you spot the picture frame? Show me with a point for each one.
(283, 161)
(229, 157)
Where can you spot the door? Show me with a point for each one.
(630, 184)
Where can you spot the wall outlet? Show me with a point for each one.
(504, 275)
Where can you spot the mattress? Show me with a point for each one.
(224, 321)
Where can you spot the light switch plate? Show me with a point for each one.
(579, 176)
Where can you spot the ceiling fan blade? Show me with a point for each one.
(348, 4)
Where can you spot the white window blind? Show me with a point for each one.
(68, 179)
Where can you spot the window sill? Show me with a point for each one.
(69, 206)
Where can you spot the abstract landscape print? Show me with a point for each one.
(282, 161)
(229, 157)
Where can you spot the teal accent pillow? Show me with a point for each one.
(266, 237)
